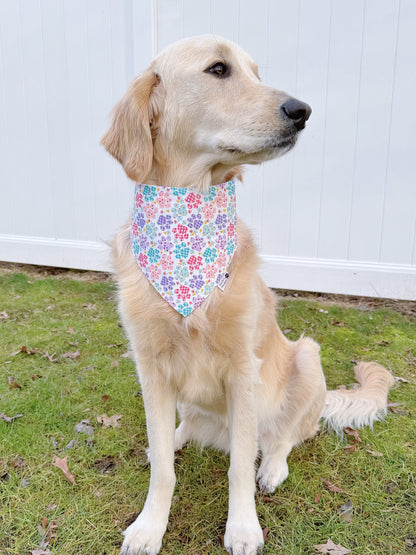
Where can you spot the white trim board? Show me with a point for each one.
(346, 277)
(47, 251)
(304, 274)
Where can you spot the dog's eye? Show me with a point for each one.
(219, 69)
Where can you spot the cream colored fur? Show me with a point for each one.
(238, 382)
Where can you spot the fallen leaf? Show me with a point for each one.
(40, 552)
(13, 383)
(350, 448)
(34, 377)
(51, 507)
(63, 465)
(105, 398)
(345, 511)
(9, 418)
(115, 364)
(108, 421)
(115, 345)
(71, 444)
(4, 315)
(18, 462)
(399, 379)
(354, 433)
(383, 343)
(89, 306)
(84, 427)
(374, 453)
(265, 532)
(50, 357)
(72, 355)
(287, 330)
(341, 324)
(106, 464)
(330, 547)
(71, 330)
(332, 487)
(129, 354)
(318, 497)
(396, 408)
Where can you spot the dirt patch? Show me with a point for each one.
(42, 272)
(407, 308)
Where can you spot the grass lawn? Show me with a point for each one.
(64, 359)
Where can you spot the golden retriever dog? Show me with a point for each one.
(191, 120)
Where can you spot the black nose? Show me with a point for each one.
(297, 111)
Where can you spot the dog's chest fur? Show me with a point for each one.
(196, 354)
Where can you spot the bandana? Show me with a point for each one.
(184, 241)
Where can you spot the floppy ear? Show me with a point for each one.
(129, 138)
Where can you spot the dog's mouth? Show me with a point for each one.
(276, 146)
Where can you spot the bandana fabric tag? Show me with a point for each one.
(184, 241)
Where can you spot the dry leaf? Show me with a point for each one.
(71, 330)
(105, 398)
(345, 511)
(108, 421)
(341, 324)
(396, 408)
(331, 487)
(72, 355)
(265, 532)
(350, 448)
(63, 465)
(84, 427)
(374, 453)
(115, 364)
(13, 383)
(399, 379)
(50, 357)
(9, 418)
(330, 547)
(89, 306)
(40, 552)
(354, 433)
(318, 497)
(4, 315)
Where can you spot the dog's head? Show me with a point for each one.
(199, 106)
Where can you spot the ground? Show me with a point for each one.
(64, 359)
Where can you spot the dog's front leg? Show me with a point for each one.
(243, 534)
(144, 536)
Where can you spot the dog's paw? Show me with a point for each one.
(243, 538)
(142, 538)
(271, 474)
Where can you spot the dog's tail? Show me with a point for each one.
(363, 405)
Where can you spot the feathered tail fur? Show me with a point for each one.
(363, 405)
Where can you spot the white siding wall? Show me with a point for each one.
(338, 214)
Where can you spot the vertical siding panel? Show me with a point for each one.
(278, 174)
(196, 17)
(252, 36)
(340, 130)
(224, 18)
(80, 110)
(56, 92)
(312, 73)
(373, 128)
(169, 22)
(400, 207)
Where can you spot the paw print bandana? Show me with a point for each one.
(184, 241)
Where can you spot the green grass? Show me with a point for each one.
(58, 316)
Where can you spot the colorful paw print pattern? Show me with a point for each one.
(184, 241)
